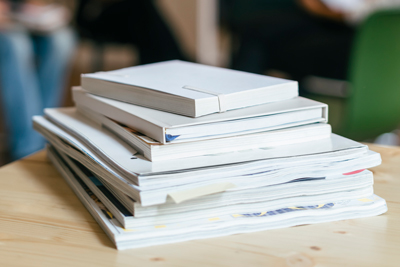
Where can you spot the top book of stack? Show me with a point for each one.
(188, 89)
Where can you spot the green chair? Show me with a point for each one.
(373, 104)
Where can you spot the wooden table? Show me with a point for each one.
(42, 223)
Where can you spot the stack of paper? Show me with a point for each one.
(153, 177)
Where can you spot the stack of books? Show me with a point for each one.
(176, 151)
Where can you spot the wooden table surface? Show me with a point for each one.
(42, 223)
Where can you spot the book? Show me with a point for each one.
(359, 184)
(151, 183)
(166, 127)
(156, 151)
(188, 89)
(334, 183)
(234, 223)
(128, 220)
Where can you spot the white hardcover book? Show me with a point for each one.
(172, 128)
(156, 151)
(188, 88)
(234, 223)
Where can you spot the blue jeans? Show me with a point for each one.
(33, 70)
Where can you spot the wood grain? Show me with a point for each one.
(42, 223)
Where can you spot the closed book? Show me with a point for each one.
(156, 151)
(166, 127)
(360, 181)
(129, 221)
(150, 183)
(188, 89)
(233, 222)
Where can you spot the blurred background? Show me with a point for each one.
(345, 53)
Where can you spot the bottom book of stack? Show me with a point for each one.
(284, 205)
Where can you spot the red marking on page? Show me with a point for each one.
(350, 173)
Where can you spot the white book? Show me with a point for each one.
(156, 151)
(117, 152)
(150, 183)
(172, 128)
(234, 223)
(359, 184)
(188, 89)
(307, 187)
(129, 221)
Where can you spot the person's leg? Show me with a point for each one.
(19, 92)
(54, 53)
(151, 34)
(252, 56)
(139, 23)
(324, 52)
(296, 43)
(262, 40)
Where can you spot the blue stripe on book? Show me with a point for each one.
(170, 137)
